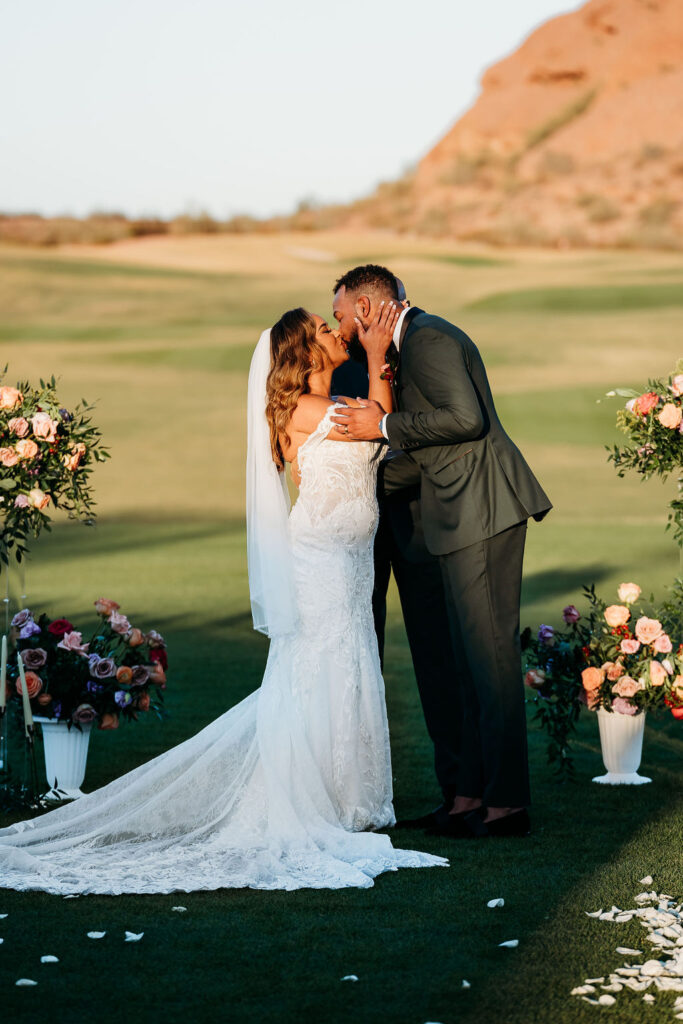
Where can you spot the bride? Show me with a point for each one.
(284, 790)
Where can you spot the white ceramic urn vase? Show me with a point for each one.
(621, 739)
(66, 754)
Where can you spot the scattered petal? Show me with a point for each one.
(606, 1000)
(25, 981)
(465, 984)
(181, 910)
(646, 881)
(615, 986)
(72, 896)
(96, 935)
(582, 990)
(49, 959)
(4, 915)
(132, 937)
(594, 981)
(628, 952)
(594, 913)
(647, 998)
(593, 1002)
(510, 944)
(492, 904)
(350, 977)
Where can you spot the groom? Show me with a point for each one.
(477, 493)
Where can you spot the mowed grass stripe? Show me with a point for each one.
(594, 299)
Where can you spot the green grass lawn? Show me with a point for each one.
(165, 351)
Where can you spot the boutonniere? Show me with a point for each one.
(389, 368)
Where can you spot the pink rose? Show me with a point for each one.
(626, 687)
(657, 673)
(73, 642)
(617, 615)
(630, 646)
(21, 501)
(18, 426)
(8, 457)
(647, 630)
(570, 614)
(26, 448)
(74, 459)
(103, 606)
(662, 644)
(668, 666)
(9, 398)
(677, 687)
(535, 678)
(623, 706)
(677, 385)
(645, 403)
(119, 623)
(44, 426)
(629, 592)
(670, 416)
(613, 669)
(37, 498)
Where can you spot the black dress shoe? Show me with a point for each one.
(516, 824)
(454, 826)
(434, 819)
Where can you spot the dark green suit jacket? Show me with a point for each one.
(475, 482)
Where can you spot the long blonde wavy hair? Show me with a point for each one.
(295, 355)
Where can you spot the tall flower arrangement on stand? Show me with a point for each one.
(47, 454)
(653, 423)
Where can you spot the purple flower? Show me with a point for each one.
(93, 687)
(571, 614)
(66, 415)
(57, 708)
(104, 669)
(93, 660)
(546, 635)
(122, 698)
(22, 617)
(29, 630)
(84, 713)
(140, 675)
(34, 658)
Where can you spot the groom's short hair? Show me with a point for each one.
(368, 278)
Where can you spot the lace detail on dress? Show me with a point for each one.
(276, 793)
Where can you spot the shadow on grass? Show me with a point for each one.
(549, 583)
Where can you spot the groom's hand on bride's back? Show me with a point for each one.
(363, 423)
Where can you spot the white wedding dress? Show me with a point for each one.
(279, 791)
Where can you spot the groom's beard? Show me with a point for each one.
(357, 352)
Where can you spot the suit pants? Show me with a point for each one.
(421, 591)
(483, 588)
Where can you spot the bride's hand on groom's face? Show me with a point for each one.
(378, 335)
(361, 424)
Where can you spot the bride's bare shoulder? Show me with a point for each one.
(309, 411)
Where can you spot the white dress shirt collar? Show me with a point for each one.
(399, 325)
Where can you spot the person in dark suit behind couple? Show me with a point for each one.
(400, 547)
(477, 493)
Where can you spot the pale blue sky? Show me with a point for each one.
(163, 106)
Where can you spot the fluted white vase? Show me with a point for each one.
(66, 754)
(621, 739)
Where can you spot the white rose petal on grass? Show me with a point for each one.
(96, 935)
(606, 1000)
(3, 916)
(492, 904)
(181, 910)
(72, 896)
(594, 981)
(594, 913)
(647, 998)
(133, 937)
(25, 981)
(645, 881)
(628, 952)
(49, 959)
(465, 984)
(509, 944)
(350, 977)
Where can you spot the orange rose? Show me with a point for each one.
(670, 416)
(135, 637)
(158, 676)
(26, 448)
(592, 678)
(105, 607)
(613, 669)
(658, 674)
(677, 687)
(143, 702)
(617, 615)
(647, 630)
(109, 721)
(124, 675)
(8, 457)
(34, 684)
(74, 460)
(645, 403)
(18, 426)
(10, 398)
(37, 498)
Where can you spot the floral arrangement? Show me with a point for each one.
(653, 423)
(118, 673)
(46, 456)
(611, 658)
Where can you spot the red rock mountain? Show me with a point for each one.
(575, 139)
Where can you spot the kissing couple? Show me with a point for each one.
(289, 788)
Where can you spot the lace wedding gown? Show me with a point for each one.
(276, 793)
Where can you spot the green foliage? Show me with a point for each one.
(583, 300)
(561, 119)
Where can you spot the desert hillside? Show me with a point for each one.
(576, 138)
